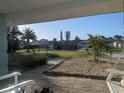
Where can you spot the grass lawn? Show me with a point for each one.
(58, 53)
(117, 49)
(38, 50)
(55, 52)
(71, 53)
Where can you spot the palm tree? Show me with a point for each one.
(97, 43)
(28, 35)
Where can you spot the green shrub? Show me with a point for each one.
(15, 59)
(52, 55)
(40, 59)
(28, 60)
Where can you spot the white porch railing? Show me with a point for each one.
(118, 72)
(114, 86)
(24, 87)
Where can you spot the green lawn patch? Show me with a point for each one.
(56, 53)
(37, 50)
(117, 49)
(70, 53)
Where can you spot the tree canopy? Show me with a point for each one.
(97, 43)
(28, 34)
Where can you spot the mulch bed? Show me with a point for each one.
(81, 67)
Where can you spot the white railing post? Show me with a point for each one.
(16, 79)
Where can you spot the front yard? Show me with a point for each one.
(74, 75)
(77, 65)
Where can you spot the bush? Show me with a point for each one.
(28, 60)
(51, 55)
(15, 59)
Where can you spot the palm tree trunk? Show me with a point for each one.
(28, 45)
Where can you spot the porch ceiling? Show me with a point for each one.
(30, 11)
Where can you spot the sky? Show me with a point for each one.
(105, 24)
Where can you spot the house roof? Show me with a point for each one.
(19, 12)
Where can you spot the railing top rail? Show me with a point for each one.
(10, 75)
(15, 87)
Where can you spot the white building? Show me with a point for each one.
(118, 44)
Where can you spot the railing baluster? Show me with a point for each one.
(22, 87)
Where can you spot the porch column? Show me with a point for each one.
(3, 46)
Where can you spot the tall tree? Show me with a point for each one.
(103, 37)
(110, 39)
(118, 37)
(28, 35)
(97, 43)
(13, 38)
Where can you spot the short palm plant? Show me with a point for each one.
(27, 36)
(97, 44)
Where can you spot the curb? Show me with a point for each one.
(48, 70)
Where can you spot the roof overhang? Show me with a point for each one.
(20, 12)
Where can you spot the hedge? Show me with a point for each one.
(28, 60)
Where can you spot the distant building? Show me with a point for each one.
(61, 36)
(51, 44)
(67, 35)
(83, 44)
(118, 44)
(68, 44)
(43, 43)
(35, 42)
